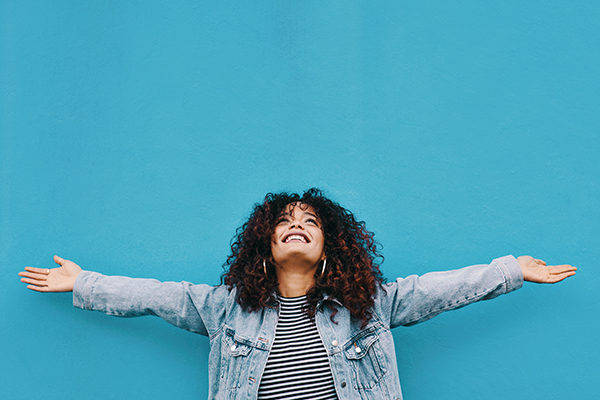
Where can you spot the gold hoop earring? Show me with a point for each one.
(265, 267)
(324, 264)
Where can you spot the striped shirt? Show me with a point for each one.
(298, 367)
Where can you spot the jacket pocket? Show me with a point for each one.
(235, 352)
(364, 354)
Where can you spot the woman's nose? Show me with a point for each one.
(296, 224)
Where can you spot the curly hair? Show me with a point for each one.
(352, 275)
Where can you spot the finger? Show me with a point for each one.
(41, 271)
(38, 288)
(58, 260)
(560, 277)
(34, 282)
(559, 269)
(33, 275)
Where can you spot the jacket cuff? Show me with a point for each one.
(511, 269)
(82, 289)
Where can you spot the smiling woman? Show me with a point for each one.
(334, 239)
(303, 311)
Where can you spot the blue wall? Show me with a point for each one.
(135, 137)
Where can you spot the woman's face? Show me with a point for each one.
(298, 237)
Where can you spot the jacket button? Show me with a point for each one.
(343, 384)
(233, 348)
(334, 343)
(358, 350)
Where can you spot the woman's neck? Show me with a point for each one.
(294, 283)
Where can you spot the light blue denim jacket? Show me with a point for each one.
(363, 360)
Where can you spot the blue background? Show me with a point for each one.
(136, 136)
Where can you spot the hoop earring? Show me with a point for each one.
(265, 267)
(324, 264)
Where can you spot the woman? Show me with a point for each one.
(303, 311)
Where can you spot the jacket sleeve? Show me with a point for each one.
(414, 299)
(196, 308)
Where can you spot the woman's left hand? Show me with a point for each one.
(535, 270)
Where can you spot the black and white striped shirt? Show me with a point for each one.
(298, 367)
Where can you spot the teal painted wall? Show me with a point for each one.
(135, 137)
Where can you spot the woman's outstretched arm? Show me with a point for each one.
(196, 308)
(415, 299)
(59, 279)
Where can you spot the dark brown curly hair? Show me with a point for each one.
(352, 274)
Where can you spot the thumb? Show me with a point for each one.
(58, 260)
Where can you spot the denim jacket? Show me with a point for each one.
(362, 359)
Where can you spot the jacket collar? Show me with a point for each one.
(326, 297)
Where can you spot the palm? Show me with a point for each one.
(59, 279)
(535, 270)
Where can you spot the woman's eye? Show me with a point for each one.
(282, 220)
(312, 221)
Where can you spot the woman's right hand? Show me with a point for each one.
(59, 279)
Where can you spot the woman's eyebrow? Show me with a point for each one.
(309, 213)
(287, 214)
